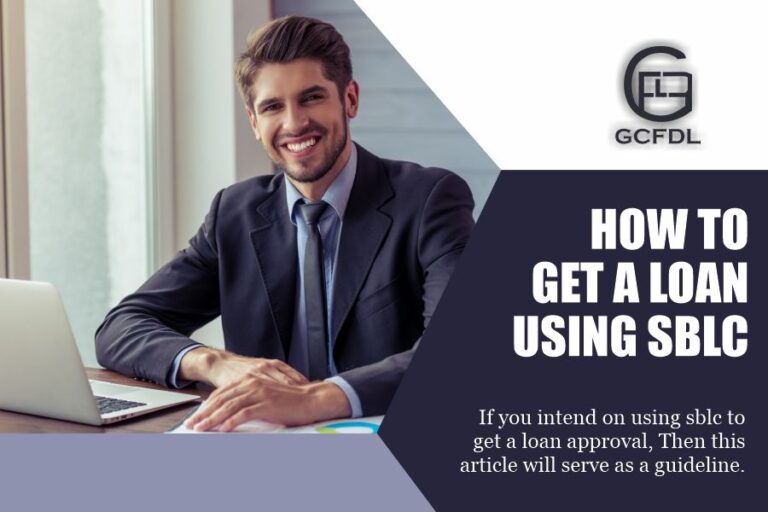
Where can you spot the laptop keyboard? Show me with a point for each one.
(107, 405)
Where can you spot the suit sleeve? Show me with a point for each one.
(444, 229)
(143, 334)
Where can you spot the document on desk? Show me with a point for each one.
(369, 425)
(253, 426)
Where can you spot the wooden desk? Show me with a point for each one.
(159, 421)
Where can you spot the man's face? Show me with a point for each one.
(300, 119)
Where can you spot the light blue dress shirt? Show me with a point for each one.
(330, 225)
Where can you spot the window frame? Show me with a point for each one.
(3, 269)
(14, 190)
(160, 164)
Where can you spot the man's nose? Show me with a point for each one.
(296, 119)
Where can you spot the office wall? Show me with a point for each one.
(203, 113)
(213, 144)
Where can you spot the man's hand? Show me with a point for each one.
(255, 397)
(220, 368)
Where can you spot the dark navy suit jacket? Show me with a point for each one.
(403, 232)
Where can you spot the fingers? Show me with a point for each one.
(281, 372)
(223, 399)
(277, 375)
(240, 417)
(222, 413)
(293, 375)
(263, 378)
(234, 368)
(230, 400)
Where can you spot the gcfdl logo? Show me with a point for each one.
(658, 94)
(653, 87)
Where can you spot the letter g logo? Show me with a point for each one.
(657, 90)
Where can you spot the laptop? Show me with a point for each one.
(41, 372)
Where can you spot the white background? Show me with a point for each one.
(539, 85)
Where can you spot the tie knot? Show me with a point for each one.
(311, 212)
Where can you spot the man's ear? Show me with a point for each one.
(252, 121)
(352, 99)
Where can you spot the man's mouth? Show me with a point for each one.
(302, 147)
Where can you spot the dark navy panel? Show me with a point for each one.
(466, 360)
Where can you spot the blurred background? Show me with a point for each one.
(121, 120)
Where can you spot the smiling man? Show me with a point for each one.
(325, 274)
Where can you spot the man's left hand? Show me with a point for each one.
(255, 398)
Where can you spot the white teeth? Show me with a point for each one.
(301, 146)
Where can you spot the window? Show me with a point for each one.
(87, 154)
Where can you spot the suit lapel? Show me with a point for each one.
(274, 240)
(363, 231)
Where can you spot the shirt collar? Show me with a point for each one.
(337, 194)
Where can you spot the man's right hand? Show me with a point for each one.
(219, 368)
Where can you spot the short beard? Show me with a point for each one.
(328, 164)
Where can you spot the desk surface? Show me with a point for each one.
(159, 421)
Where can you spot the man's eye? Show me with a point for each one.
(313, 97)
(271, 108)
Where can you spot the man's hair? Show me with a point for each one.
(289, 38)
